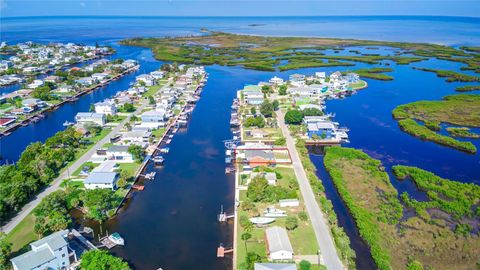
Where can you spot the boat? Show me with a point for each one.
(116, 238)
(150, 176)
(67, 124)
(165, 150)
(168, 141)
(273, 212)
(170, 136)
(262, 220)
(158, 159)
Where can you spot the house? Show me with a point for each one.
(321, 76)
(107, 107)
(33, 103)
(35, 84)
(260, 157)
(88, 117)
(50, 252)
(271, 177)
(274, 266)
(147, 79)
(278, 244)
(352, 77)
(154, 118)
(52, 79)
(99, 76)
(289, 203)
(157, 74)
(5, 121)
(276, 80)
(258, 133)
(252, 94)
(4, 65)
(85, 81)
(335, 76)
(320, 126)
(101, 180)
(137, 136)
(119, 153)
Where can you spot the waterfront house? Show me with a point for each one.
(34, 103)
(35, 84)
(102, 179)
(85, 81)
(320, 76)
(107, 107)
(278, 244)
(99, 77)
(352, 77)
(88, 117)
(271, 177)
(6, 121)
(276, 81)
(154, 118)
(337, 75)
(252, 95)
(52, 79)
(50, 252)
(289, 203)
(320, 126)
(147, 79)
(136, 136)
(257, 133)
(274, 266)
(119, 153)
(157, 75)
(259, 157)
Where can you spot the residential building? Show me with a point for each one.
(289, 203)
(50, 252)
(88, 117)
(278, 244)
(274, 266)
(260, 157)
(119, 153)
(107, 107)
(276, 80)
(102, 179)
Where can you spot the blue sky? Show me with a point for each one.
(18, 8)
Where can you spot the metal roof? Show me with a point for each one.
(277, 238)
(101, 178)
(275, 266)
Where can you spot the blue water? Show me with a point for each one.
(172, 223)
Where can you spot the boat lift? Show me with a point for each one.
(223, 217)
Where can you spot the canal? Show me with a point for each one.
(172, 223)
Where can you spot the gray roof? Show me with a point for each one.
(118, 148)
(90, 115)
(275, 266)
(277, 238)
(266, 154)
(55, 240)
(101, 178)
(42, 255)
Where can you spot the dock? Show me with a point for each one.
(106, 242)
(221, 251)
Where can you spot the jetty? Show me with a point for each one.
(221, 251)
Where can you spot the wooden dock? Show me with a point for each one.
(221, 251)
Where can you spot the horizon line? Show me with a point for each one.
(235, 16)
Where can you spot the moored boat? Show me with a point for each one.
(262, 220)
(116, 238)
(273, 212)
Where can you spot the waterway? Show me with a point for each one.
(172, 224)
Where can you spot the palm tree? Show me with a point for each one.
(245, 236)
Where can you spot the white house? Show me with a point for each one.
(289, 203)
(276, 80)
(106, 107)
(278, 244)
(88, 117)
(101, 179)
(149, 80)
(274, 266)
(50, 252)
(35, 84)
(119, 153)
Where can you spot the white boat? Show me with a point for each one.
(262, 220)
(67, 124)
(165, 150)
(158, 159)
(116, 238)
(273, 212)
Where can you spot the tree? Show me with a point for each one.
(266, 89)
(42, 92)
(151, 100)
(123, 180)
(303, 216)
(92, 107)
(5, 250)
(266, 109)
(305, 265)
(253, 111)
(128, 107)
(312, 112)
(291, 223)
(97, 202)
(293, 117)
(256, 189)
(101, 260)
(275, 104)
(282, 90)
(128, 126)
(251, 259)
(137, 152)
(245, 237)
(93, 129)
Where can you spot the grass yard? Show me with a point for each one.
(23, 233)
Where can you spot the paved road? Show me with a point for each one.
(56, 183)
(320, 226)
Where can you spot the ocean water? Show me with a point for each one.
(172, 223)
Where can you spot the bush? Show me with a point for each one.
(303, 216)
(291, 223)
(294, 117)
(305, 265)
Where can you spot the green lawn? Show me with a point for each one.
(86, 164)
(158, 132)
(131, 168)
(23, 233)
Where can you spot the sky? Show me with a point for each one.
(21, 8)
